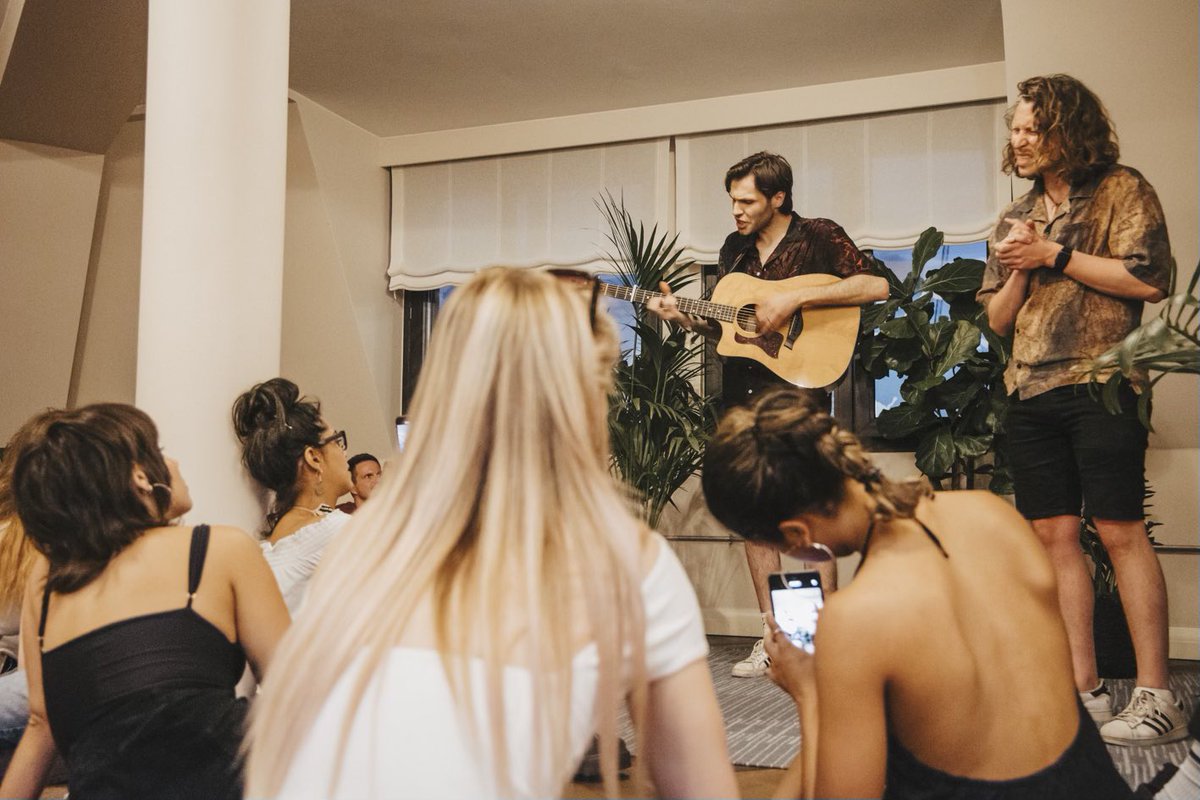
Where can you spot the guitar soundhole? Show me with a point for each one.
(769, 342)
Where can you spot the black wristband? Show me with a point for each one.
(1064, 255)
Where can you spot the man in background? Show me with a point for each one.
(365, 472)
(1070, 265)
(772, 242)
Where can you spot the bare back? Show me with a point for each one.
(971, 645)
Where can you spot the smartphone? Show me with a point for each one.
(796, 600)
(401, 432)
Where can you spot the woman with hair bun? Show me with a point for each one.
(288, 449)
(134, 631)
(942, 670)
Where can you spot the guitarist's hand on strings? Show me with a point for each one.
(667, 308)
(772, 310)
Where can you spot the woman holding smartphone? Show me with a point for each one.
(942, 670)
(495, 603)
(134, 630)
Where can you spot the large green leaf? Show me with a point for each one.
(903, 420)
(960, 276)
(972, 446)
(935, 454)
(928, 243)
(961, 343)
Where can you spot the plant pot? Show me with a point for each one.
(1114, 648)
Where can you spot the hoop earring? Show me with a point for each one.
(824, 549)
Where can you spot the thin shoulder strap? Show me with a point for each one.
(45, 608)
(937, 542)
(196, 560)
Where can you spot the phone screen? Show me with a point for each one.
(401, 432)
(796, 600)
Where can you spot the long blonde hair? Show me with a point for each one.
(501, 509)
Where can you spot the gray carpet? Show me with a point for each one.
(763, 731)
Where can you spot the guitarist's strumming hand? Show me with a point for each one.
(772, 310)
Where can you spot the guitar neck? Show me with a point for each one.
(688, 305)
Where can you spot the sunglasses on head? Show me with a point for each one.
(583, 280)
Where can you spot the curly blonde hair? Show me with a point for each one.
(1077, 136)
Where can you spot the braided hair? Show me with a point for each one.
(782, 456)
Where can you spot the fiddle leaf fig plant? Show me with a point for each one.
(953, 400)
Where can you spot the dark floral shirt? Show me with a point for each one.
(809, 246)
(1063, 323)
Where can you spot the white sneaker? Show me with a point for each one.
(1149, 718)
(754, 664)
(1098, 703)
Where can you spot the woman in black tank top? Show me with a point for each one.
(139, 702)
(943, 671)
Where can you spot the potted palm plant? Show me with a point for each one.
(659, 421)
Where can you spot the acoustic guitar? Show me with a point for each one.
(811, 348)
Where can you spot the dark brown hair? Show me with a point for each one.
(772, 174)
(16, 550)
(74, 488)
(275, 425)
(1077, 137)
(782, 456)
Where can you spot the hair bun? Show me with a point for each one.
(264, 407)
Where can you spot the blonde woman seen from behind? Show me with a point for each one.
(495, 603)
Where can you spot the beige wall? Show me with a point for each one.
(1141, 59)
(324, 350)
(47, 212)
(106, 356)
(66, 209)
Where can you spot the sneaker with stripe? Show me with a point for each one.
(1153, 716)
(1098, 703)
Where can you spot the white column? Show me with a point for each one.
(212, 241)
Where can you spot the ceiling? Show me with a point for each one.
(427, 65)
(75, 71)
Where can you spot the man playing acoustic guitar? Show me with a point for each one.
(774, 243)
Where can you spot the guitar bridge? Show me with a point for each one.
(769, 342)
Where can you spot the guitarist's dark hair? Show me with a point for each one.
(782, 456)
(772, 174)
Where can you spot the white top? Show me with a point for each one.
(407, 739)
(294, 558)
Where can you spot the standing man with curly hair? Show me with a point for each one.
(1070, 266)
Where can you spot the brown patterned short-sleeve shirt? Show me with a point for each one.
(1064, 324)
(810, 246)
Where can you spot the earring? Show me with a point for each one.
(828, 553)
(320, 480)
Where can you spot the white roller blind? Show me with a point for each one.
(452, 219)
(884, 178)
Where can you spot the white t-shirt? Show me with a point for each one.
(407, 739)
(294, 559)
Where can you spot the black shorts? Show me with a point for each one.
(1070, 455)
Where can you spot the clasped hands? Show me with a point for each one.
(1024, 248)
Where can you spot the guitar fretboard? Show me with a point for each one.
(688, 305)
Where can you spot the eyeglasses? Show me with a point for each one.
(580, 278)
(336, 436)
